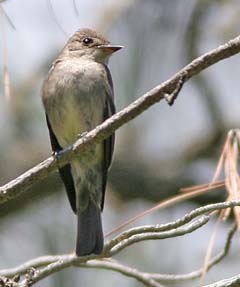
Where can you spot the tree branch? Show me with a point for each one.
(159, 235)
(113, 265)
(230, 282)
(171, 225)
(165, 278)
(173, 85)
(53, 264)
(170, 278)
(39, 268)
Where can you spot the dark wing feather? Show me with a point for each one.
(65, 171)
(108, 144)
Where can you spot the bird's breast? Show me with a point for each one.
(77, 101)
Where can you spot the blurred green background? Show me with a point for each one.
(158, 153)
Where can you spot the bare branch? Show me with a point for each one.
(170, 278)
(159, 235)
(230, 282)
(52, 268)
(44, 266)
(149, 279)
(42, 170)
(113, 265)
(54, 17)
(168, 226)
(166, 278)
(34, 263)
(55, 263)
(6, 77)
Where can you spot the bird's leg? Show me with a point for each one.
(56, 154)
(79, 136)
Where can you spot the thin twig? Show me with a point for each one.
(54, 17)
(75, 8)
(168, 226)
(6, 77)
(45, 260)
(113, 265)
(170, 278)
(230, 282)
(154, 235)
(44, 266)
(210, 249)
(163, 204)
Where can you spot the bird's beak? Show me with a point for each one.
(110, 49)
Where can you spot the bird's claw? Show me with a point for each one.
(56, 154)
(82, 135)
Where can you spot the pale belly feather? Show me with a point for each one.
(80, 104)
(76, 105)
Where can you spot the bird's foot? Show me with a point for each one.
(56, 154)
(82, 135)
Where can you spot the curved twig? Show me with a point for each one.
(44, 266)
(159, 235)
(171, 225)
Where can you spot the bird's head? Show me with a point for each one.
(90, 45)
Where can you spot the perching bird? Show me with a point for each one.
(77, 96)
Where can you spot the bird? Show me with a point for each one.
(77, 96)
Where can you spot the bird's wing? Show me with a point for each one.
(65, 171)
(108, 144)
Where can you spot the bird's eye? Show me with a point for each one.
(87, 41)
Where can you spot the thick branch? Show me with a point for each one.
(15, 187)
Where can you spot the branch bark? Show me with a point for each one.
(230, 282)
(164, 90)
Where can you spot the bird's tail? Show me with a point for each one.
(89, 231)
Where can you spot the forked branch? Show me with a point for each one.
(39, 268)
